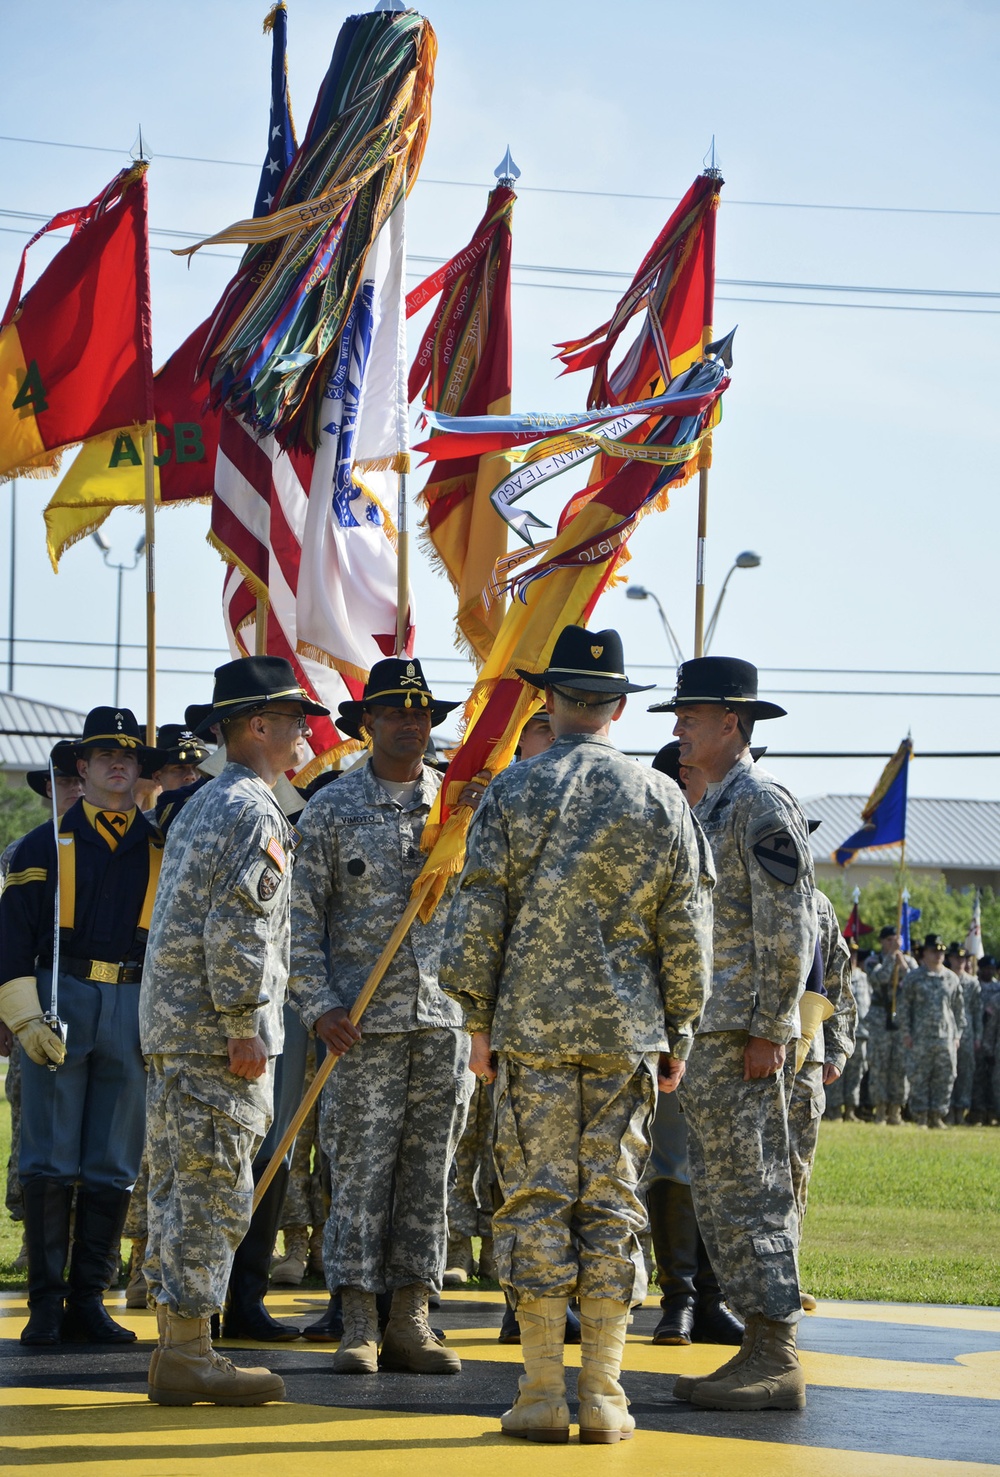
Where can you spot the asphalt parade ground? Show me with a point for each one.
(893, 1389)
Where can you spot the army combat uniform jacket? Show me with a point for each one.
(358, 857)
(217, 958)
(583, 919)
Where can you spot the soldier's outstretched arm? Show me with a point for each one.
(684, 936)
(310, 988)
(472, 956)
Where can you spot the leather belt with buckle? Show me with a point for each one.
(102, 972)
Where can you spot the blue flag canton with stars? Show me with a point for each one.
(281, 135)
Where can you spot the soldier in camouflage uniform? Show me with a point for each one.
(971, 1044)
(394, 1108)
(829, 1050)
(887, 1084)
(739, 1078)
(985, 1102)
(931, 1012)
(578, 946)
(211, 1019)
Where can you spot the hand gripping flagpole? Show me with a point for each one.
(51, 1016)
(356, 1012)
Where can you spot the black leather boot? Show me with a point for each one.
(46, 1235)
(675, 1246)
(510, 1329)
(328, 1329)
(94, 1263)
(713, 1321)
(245, 1315)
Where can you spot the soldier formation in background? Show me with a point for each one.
(576, 951)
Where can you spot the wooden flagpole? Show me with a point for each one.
(260, 629)
(356, 1012)
(149, 506)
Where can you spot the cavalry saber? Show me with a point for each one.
(51, 1016)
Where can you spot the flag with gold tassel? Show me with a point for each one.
(463, 366)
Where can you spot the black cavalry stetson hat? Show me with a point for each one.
(251, 683)
(590, 660)
(109, 728)
(63, 762)
(396, 682)
(932, 941)
(177, 744)
(719, 679)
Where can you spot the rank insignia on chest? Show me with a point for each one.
(778, 856)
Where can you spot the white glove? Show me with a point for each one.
(21, 1010)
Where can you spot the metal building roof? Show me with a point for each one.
(28, 729)
(962, 834)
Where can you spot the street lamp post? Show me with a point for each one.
(105, 549)
(639, 592)
(746, 560)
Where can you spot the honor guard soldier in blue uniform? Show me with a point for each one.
(84, 1086)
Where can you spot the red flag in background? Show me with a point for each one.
(675, 284)
(465, 363)
(75, 352)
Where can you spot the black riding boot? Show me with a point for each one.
(245, 1316)
(510, 1329)
(46, 1235)
(330, 1328)
(713, 1321)
(675, 1246)
(93, 1265)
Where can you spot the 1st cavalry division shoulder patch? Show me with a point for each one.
(777, 854)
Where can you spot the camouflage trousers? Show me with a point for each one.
(847, 1088)
(986, 1085)
(391, 1117)
(805, 1114)
(470, 1192)
(961, 1096)
(886, 1066)
(930, 1067)
(571, 1141)
(136, 1225)
(12, 1090)
(304, 1199)
(200, 1183)
(741, 1176)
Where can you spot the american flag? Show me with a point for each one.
(259, 519)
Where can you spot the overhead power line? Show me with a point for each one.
(47, 143)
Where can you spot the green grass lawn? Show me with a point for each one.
(895, 1215)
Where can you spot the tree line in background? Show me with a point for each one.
(942, 910)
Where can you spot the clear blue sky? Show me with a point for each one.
(859, 449)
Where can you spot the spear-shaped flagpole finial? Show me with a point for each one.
(507, 171)
(711, 169)
(138, 150)
(389, 5)
(856, 896)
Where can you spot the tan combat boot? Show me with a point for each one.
(919, 1120)
(685, 1383)
(540, 1412)
(314, 1265)
(358, 1352)
(136, 1291)
(410, 1344)
(937, 1120)
(879, 1115)
(894, 1115)
(289, 1270)
(186, 1369)
(771, 1379)
(458, 1264)
(603, 1412)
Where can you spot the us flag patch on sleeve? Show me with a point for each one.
(276, 852)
